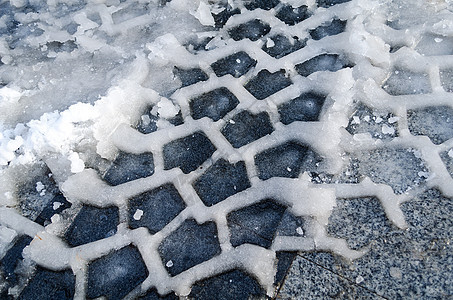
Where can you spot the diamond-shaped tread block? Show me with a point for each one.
(236, 64)
(436, 122)
(293, 15)
(116, 274)
(190, 76)
(405, 82)
(49, 210)
(255, 224)
(222, 17)
(189, 245)
(232, 285)
(214, 104)
(266, 83)
(220, 181)
(127, 167)
(323, 62)
(306, 107)
(147, 122)
(335, 27)
(252, 30)
(245, 128)
(92, 224)
(282, 46)
(359, 221)
(12, 258)
(286, 160)
(329, 3)
(263, 4)
(158, 206)
(188, 153)
(47, 284)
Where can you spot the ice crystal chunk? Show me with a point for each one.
(214, 104)
(328, 3)
(251, 30)
(405, 82)
(245, 128)
(190, 76)
(263, 4)
(147, 122)
(293, 15)
(127, 167)
(323, 62)
(50, 209)
(231, 285)
(398, 168)
(436, 122)
(266, 83)
(446, 79)
(12, 258)
(255, 224)
(282, 46)
(286, 160)
(335, 27)
(236, 64)
(92, 224)
(159, 207)
(188, 153)
(222, 17)
(220, 181)
(359, 221)
(306, 107)
(116, 274)
(47, 284)
(189, 245)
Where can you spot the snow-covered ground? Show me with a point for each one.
(103, 101)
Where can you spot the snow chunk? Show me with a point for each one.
(77, 165)
(387, 129)
(203, 14)
(450, 153)
(138, 214)
(166, 108)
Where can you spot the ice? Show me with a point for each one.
(184, 137)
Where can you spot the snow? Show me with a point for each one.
(133, 72)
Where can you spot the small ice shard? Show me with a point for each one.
(362, 137)
(203, 14)
(355, 120)
(387, 129)
(166, 109)
(299, 231)
(450, 153)
(270, 43)
(359, 279)
(393, 119)
(39, 186)
(77, 165)
(138, 214)
(56, 205)
(169, 264)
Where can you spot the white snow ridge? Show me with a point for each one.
(303, 109)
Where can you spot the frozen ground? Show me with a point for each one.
(226, 149)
